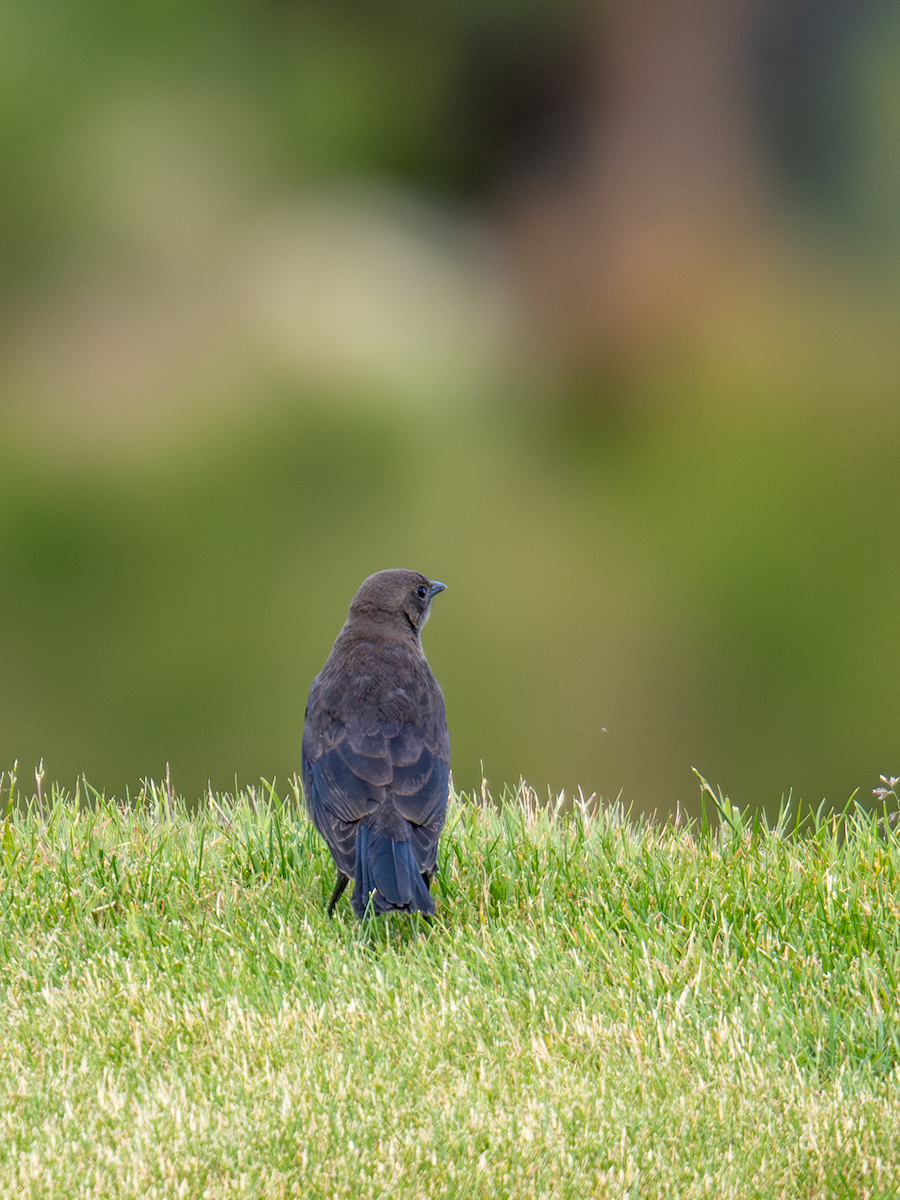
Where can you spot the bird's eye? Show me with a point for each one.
(421, 591)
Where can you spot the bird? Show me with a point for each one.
(376, 749)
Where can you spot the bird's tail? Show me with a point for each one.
(387, 871)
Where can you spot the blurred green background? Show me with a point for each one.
(591, 310)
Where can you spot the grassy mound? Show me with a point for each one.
(599, 1009)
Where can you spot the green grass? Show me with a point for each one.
(599, 1009)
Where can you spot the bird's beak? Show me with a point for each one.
(437, 587)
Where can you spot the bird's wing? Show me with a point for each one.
(337, 795)
(420, 784)
(351, 767)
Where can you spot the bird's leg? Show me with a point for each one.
(342, 881)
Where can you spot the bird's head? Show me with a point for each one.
(404, 596)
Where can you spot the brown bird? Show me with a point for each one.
(376, 751)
